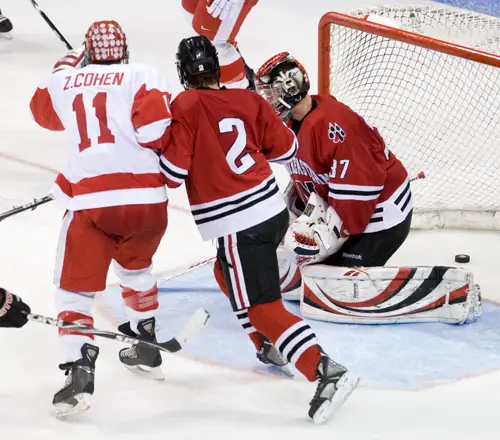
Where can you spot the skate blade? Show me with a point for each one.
(285, 370)
(155, 373)
(288, 370)
(64, 410)
(6, 35)
(346, 385)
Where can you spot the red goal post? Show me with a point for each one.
(428, 77)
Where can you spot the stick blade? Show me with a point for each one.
(195, 325)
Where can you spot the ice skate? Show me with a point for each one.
(75, 396)
(269, 355)
(142, 359)
(335, 385)
(5, 27)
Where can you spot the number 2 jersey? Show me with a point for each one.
(219, 144)
(115, 116)
(347, 163)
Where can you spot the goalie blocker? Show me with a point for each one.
(389, 295)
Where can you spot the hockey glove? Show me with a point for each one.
(316, 234)
(74, 58)
(222, 8)
(13, 311)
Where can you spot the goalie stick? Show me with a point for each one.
(28, 206)
(51, 25)
(195, 324)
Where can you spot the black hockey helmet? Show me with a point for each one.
(283, 82)
(197, 62)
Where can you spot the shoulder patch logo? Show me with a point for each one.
(336, 133)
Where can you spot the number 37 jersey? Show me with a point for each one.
(346, 162)
(115, 117)
(219, 144)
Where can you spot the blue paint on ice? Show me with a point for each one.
(490, 7)
(404, 356)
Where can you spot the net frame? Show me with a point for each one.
(486, 219)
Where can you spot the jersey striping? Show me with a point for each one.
(115, 117)
(220, 143)
(346, 162)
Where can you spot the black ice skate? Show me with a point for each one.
(335, 385)
(5, 27)
(269, 355)
(75, 396)
(142, 359)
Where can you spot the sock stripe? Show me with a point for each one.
(242, 316)
(295, 358)
(282, 346)
(299, 344)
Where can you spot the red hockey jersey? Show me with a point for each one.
(347, 163)
(219, 143)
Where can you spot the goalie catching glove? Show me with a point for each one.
(316, 234)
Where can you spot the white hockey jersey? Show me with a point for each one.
(115, 116)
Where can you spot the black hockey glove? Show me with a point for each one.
(12, 310)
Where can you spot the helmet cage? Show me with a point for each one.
(273, 94)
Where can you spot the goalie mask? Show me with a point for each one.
(197, 62)
(283, 82)
(105, 42)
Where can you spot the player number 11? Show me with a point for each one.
(99, 103)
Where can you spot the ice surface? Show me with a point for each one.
(199, 399)
(386, 356)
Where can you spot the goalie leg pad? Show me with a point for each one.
(389, 295)
(290, 278)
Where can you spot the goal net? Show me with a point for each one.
(429, 79)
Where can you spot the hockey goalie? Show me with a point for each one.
(352, 203)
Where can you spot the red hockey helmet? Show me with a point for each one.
(283, 82)
(106, 42)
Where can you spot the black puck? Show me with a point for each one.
(462, 258)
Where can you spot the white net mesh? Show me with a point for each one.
(438, 113)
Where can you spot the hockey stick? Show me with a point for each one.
(51, 25)
(195, 324)
(186, 270)
(29, 206)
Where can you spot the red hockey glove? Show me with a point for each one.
(74, 58)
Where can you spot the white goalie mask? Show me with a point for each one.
(282, 82)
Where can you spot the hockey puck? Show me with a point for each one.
(462, 258)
